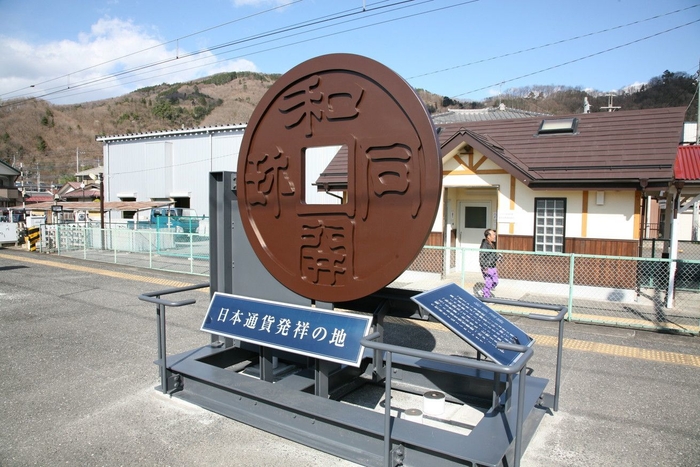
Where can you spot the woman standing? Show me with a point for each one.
(487, 262)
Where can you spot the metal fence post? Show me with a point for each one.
(387, 411)
(571, 285)
(191, 235)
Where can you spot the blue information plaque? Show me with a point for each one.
(323, 334)
(474, 322)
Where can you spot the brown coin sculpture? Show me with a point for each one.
(346, 250)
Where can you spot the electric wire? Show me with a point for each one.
(301, 25)
(492, 58)
(569, 62)
(328, 18)
(290, 44)
(550, 44)
(321, 20)
(131, 54)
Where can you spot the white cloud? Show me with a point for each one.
(97, 65)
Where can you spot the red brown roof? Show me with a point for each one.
(687, 163)
(607, 149)
(610, 148)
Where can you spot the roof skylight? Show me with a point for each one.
(559, 125)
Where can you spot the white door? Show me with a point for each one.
(474, 218)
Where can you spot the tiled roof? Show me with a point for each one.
(607, 150)
(606, 147)
(35, 198)
(479, 115)
(81, 194)
(687, 163)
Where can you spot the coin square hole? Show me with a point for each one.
(326, 175)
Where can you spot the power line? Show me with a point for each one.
(335, 16)
(280, 46)
(550, 44)
(578, 59)
(158, 45)
(305, 24)
(439, 9)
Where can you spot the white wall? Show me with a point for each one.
(614, 219)
(169, 164)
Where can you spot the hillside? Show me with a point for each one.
(47, 139)
(52, 142)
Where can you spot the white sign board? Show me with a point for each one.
(506, 217)
(8, 232)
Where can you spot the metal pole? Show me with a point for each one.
(191, 235)
(519, 420)
(160, 311)
(557, 379)
(570, 303)
(697, 128)
(387, 412)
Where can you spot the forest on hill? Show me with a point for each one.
(50, 143)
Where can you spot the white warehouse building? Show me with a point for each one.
(169, 165)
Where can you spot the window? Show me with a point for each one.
(475, 217)
(550, 215)
(127, 214)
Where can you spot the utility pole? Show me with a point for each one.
(697, 93)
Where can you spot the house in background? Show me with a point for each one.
(572, 184)
(9, 194)
(173, 167)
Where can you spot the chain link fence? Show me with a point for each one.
(163, 249)
(645, 293)
(648, 292)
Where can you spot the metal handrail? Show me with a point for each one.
(154, 297)
(562, 311)
(519, 366)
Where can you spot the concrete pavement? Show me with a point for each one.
(77, 381)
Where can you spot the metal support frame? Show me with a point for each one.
(289, 410)
(168, 382)
(559, 317)
(519, 367)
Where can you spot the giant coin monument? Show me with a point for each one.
(392, 174)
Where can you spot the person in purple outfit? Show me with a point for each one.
(487, 261)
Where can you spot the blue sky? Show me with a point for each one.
(79, 50)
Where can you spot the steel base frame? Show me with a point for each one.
(289, 408)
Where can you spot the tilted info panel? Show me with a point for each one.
(327, 335)
(474, 322)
